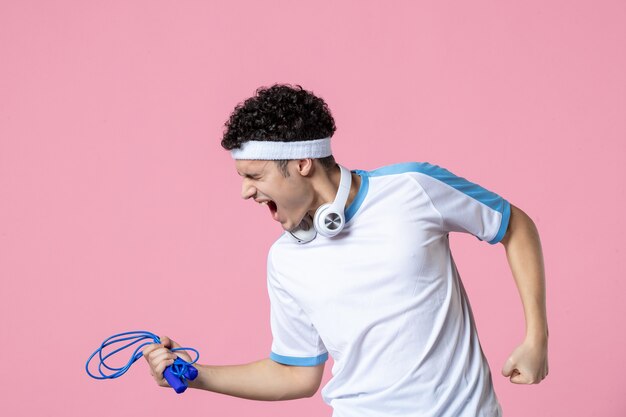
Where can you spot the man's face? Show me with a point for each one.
(288, 198)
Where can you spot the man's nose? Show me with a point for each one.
(247, 190)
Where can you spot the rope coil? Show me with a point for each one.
(176, 374)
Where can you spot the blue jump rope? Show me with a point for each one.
(176, 374)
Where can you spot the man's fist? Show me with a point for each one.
(159, 356)
(528, 364)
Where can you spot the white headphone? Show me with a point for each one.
(329, 218)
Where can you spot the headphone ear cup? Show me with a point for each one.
(328, 221)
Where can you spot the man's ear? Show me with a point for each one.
(305, 167)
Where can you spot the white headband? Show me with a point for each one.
(267, 150)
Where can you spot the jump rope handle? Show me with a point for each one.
(188, 372)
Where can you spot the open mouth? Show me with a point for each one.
(273, 208)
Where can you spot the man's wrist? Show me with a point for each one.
(199, 382)
(537, 336)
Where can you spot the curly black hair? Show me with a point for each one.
(280, 113)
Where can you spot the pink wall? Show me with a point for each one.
(117, 202)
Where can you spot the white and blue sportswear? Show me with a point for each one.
(384, 298)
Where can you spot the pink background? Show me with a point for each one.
(119, 210)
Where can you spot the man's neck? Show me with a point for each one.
(329, 184)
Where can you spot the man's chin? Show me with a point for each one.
(289, 228)
(303, 224)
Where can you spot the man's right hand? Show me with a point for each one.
(159, 356)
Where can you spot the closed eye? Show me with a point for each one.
(250, 176)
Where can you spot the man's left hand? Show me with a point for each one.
(528, 364)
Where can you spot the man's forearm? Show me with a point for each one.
(525, 257)
(263, 380)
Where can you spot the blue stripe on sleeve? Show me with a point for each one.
(503, 224)
(291, 360)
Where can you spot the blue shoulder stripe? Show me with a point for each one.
(475, 191)
(488, 198)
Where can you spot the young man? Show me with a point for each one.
(364, 273)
